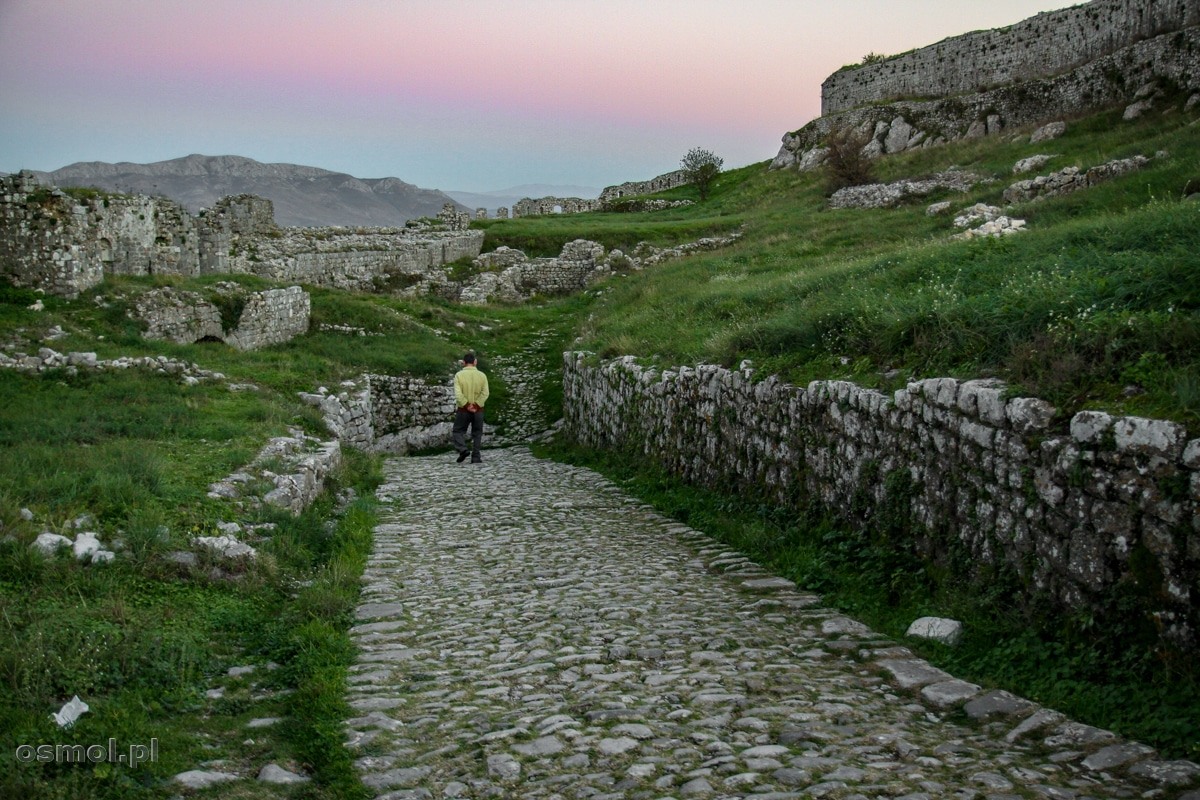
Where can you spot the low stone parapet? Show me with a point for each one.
(960, 465)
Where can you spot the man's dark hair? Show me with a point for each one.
(469, 358)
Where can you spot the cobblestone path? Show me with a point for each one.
(528, 630)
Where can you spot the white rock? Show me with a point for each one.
(201, 778)
(226, 546)
(1049, 131)
(86, 544)
(103, 556)
(938, 629)
(71, 711)
(1031, 163)
(273, 773)
(49, 543)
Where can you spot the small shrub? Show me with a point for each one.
(846, 164)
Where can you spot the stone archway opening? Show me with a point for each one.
(556, 210)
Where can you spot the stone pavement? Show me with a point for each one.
(528, 630)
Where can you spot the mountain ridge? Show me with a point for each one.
(302, 195)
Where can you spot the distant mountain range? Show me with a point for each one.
(303, 196)
(506, 197)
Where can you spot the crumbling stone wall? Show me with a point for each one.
(270, 317)
(228, 220)
(661, 183)
(528, 207)
(52, 241)
(1112, 500)
(63, 245)
(1042, 46)
(388, 414)
(178, 316)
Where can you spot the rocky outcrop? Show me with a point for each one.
(887, 195)
(1070, 180)
(959, 465)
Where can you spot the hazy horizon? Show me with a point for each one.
(440, 93)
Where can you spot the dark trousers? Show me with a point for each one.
(461, 420)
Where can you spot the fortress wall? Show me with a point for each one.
(965, 469)
(1102, 83)
(53, 241)
(660, 184)
(1044, 45)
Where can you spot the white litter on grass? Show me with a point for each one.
(71, 711)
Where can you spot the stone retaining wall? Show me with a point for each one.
(1042, 46)
(272, 317)
(968, 469)
(388, 414)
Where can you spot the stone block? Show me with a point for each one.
(1088, 427)
(1029, 415)
(939, 629)
(1150, 436)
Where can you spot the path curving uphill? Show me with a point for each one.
(528, 630)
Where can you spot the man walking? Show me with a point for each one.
(470, 393)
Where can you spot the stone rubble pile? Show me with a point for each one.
(1070, 180)
(1000, 226)
(508, 275)
(191, 372)
(528, 630)
(86, 546)
(888, 195)
(306, 463)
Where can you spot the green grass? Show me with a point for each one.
(1106, 279)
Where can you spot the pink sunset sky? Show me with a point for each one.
(447, 94)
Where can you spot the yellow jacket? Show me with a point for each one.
(470, 386)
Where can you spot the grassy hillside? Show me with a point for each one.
(1095, 306)
(1098, 305)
